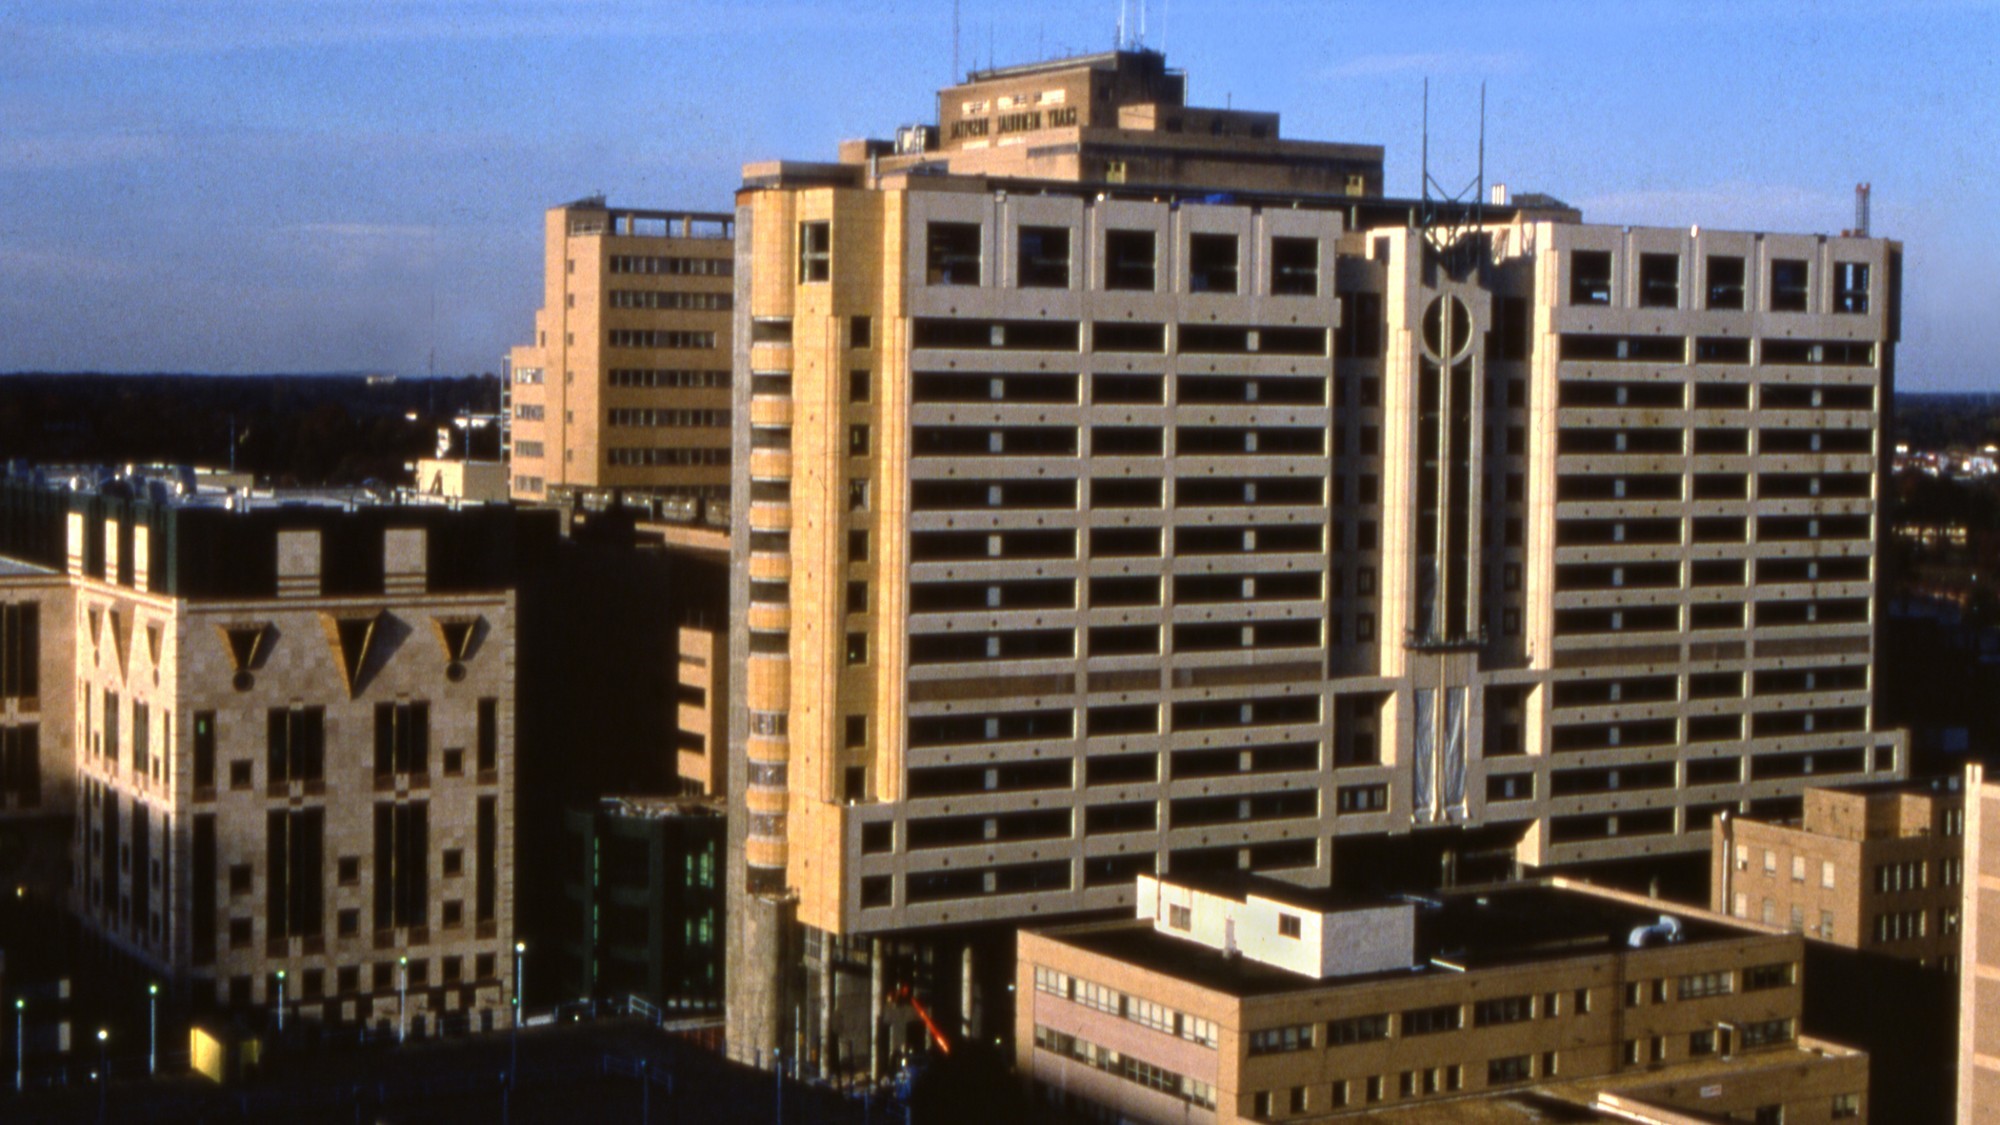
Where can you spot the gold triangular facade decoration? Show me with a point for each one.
(245, 644)
(118, 638)
(351, 638)
(454, 635)
(153, 642)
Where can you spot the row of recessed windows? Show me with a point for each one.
(1190, 1090)
(1146, 1013)
(668, 417)
(671, 300)
(665, 458)
(1723, 283)
(953, 254)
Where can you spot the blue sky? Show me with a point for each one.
(313, 185)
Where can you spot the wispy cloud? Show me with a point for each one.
(56, 152)
(221, 26)
(1733, 205)
(1430, 63)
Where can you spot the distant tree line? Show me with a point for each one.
(1936, 422)
(293, 429)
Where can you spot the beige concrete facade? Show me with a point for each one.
(1979, 979)
(1879, 868)
(626, 384)
(1120, 1016)
(1651, 602)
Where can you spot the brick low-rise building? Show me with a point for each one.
(1875, 867)
(1252, 1000)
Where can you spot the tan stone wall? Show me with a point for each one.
(176, 659)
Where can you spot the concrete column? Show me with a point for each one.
(758, 979)
(875, 987)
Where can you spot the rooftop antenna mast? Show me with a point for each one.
(1453, 221)
(957, 76)
(1861, 193)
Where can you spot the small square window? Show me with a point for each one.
(348, 922)
(454, 762)
(857, 731)
(347, 979)
(857, 648)
(1590, 277)
(857, 597)
(454, 862)
(454, 914)
(239, 878)
(1788, 285)
(349, 870)
(1289, 925)
(454, 969)
(860, 332)
(239, 774)
(384, 976)
(483, 967)
(1044, 257)
(858, 385)
(857, 545)
(857, 440)
(239, 933)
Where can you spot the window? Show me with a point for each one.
(857, 648)
(1725, 282)
(1826, 873)
(1514, 1068)
(1695, 986)
(1846, 1105)
(951, 254)
(1044, 258)
(402, 738)
(1590, 277)
(815, 251)
(1850, 287)
(295, 740)
(1212, 263)
(1429, 1021)
(20, 650)
(1295, 267)
(1798, 869)
(487, 736)
(1503, 1009)
(1767, 1032)
(1659, 281)
(1276, 1040)
(204, 749)
(1788, 285)
(857, 385)
(1761, 977)
(1357, 1029)
(857, 440)
(860, 332)
(1288, 925)
(1180, 918)
(1128, 259)
(1701, 1043)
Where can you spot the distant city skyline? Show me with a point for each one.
(230, 186)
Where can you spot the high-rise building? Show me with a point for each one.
(1979, 975)
(1196, 520)
(626, 386)
(1875, 867)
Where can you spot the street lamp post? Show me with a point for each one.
(152, 1029)
(514, 1033)
(103, 1070)
(402, 998)
(281, 1001)
(20, 1045)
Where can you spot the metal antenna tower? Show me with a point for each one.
(1453, 222)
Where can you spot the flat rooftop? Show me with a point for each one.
(1516, 925)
